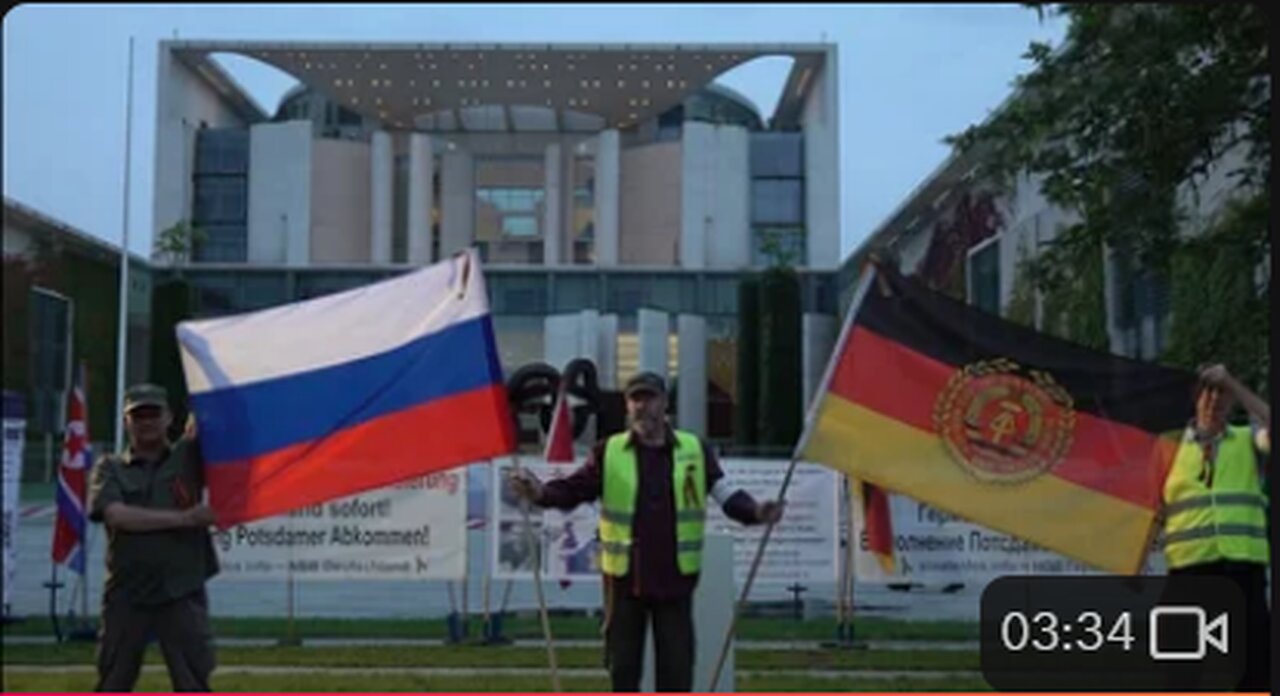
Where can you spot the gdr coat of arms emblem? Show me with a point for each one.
(1003, 423)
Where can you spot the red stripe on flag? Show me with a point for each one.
(879, 524)
(1106, 456)
(432, 437)
(560, 438)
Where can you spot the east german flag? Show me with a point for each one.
(1015, 430)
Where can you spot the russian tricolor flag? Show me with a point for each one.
(316, 400)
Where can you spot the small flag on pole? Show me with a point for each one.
(560, 436)
(68, 530)
(877, 523)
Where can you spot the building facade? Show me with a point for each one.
(61, 310)
(970, 239)
(595, 181)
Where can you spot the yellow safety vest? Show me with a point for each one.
(1224, 519)
(618, 504)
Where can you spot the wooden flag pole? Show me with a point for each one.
(850, 568)
(537, 587)
(818, 396)
(845, 566)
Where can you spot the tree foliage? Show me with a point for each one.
(176, 243)
(1120, 126)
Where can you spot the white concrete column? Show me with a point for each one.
(381, 178)
(608, 184)
(458, 207)
(607, 369)
(589, 335)
(654, 327)
(560, 339)
(421, 198)
(697, 191)
(552, 187)
(713, 607)
(818, 334)
(692, 370)
(728, 243)
(279, 206)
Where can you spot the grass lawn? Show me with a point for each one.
(566, 627)
(475, 656)
(158, 681)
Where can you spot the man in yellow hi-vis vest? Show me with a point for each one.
(653, 483)
(1216, 511)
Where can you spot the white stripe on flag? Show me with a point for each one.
(330, 330)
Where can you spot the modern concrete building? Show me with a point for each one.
(61, 290)
(595, 180)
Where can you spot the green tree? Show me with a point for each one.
(171, 302)
(1139, 102)
(746, 427)
(779, 411)
(176, 243)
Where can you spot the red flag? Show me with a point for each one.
(560, 436)
(879, 525)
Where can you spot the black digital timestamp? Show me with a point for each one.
(1113, 633)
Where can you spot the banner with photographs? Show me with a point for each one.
(802, 548)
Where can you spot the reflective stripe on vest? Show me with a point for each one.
(1227, 522)
(618, 504)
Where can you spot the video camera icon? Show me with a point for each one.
(1207, 633)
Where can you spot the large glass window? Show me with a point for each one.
(221, 199)
(509, 204)
(215, 294)
(720, 296)
(224, 243)
(984, 276)
(264, 290)
(50, 345)
(576, 292)
(777, 201)
(326, 283)
(778, 245)
(584, 211)
(220, 206)
(775, 155)
(512, 293)
(222, 151)
(670, 293)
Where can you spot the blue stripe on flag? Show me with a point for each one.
(67, 510)
(241, 422)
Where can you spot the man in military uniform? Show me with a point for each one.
(159, 551)
(652, 482)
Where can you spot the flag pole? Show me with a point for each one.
(488, 572)
(867, 276)
(850, 565)
(537, 586)
(122, 327)
(843, 562)
(88, 462)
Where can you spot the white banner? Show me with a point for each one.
(933, 547)
(415, 530)
(804, 545)
(15, 433)
(801, 549)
